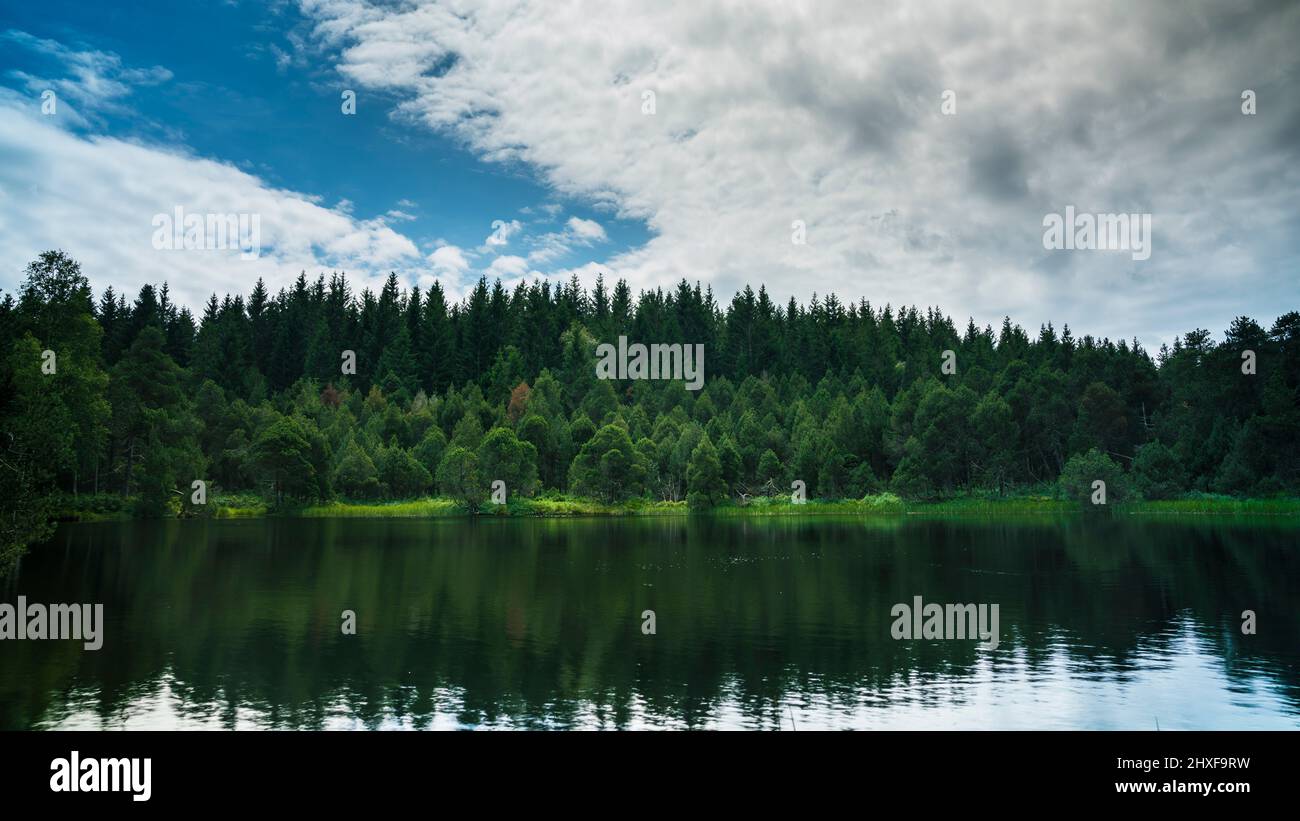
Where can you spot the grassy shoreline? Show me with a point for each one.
(558, 506)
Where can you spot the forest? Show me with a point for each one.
(135, 399)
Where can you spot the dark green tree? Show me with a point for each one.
(705, 486)
(460, 478)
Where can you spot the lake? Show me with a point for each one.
(780, 623)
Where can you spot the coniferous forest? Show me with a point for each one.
(120, 401)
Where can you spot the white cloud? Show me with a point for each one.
(96, 199)
(96, 80)
(508, 267)
(588, 230)
(449, 260)
(551, 246)
(829, 113)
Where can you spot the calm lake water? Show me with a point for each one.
(1105, 623)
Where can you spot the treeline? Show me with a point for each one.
(139, 398)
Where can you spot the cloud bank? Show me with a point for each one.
(829, 113)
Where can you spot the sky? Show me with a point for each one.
(898, 152)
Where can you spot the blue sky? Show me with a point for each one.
(226, 88)
(825, 115)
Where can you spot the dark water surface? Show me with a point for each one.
(1105, 623)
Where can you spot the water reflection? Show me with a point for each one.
(1105, 623)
